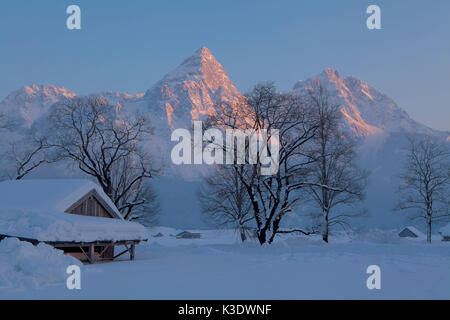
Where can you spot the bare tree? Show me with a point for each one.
(24, 152)
(138, 200)
(271, 196)
(147, 213)
(336, 183)
(107, 147)
(27, 154)
(425, 181)
(224, 201)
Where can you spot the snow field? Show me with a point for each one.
(217, 266)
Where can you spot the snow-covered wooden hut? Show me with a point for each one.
(72, 215)
(188, 235)
(411, 232)
(445, 233)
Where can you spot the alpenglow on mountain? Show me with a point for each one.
(28, 104)
(366, 110)
(190, 92)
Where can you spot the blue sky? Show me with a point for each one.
(129, 45)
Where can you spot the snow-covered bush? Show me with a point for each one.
(23, 265)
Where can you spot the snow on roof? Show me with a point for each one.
(416, 231)
(445, 231)
(66, 227)
(48, 195)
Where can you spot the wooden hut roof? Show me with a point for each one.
(51, 195)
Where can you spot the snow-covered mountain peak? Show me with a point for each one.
(331, 74)
(27, 104)
(341, 95)
(203, 51)
(330, 79)
(366, 110)
(191, 90)
(37, 91)
(201, 66)
(328, 75)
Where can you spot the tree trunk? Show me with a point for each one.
(429, 230)
(325, 235)
(325, 230)
(242, 233)
(262, 236)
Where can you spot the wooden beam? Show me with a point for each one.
(118, 255)
(132, 252)
(92, 253)
(104, 249)
(85, 254)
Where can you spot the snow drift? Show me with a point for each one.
(24, 266)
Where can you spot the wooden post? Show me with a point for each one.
(91, 253)
(132, 252)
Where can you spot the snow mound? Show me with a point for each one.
(24, 266)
